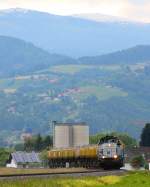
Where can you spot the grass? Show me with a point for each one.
(138, 179)
(72, 69)
(10, 171)
(69, 69)
(10, 85)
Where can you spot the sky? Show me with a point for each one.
(138, 10)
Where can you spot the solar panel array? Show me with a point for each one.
(24, 157)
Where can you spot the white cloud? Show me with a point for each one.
(135, 9)
(138, 10)
(65, 6)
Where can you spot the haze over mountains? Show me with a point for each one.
(72, 36)
(102, 18)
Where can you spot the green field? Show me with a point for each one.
(102, 92)
(12, 84)
(138, 179)
(14, 171)
(72, 69)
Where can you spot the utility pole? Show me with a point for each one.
(52, 130)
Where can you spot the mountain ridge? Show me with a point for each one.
(23, 57)
(68, 35)
(136, 54)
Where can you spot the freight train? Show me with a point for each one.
(109, 153)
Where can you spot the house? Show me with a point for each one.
(24, 160)
(137, 151)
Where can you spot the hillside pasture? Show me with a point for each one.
(102, 92)
(75, 68)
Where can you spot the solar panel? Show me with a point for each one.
(24, 157)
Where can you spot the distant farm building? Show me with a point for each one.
(23, 160)
(70, 134)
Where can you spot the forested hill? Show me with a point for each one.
(137, 54)
(20, 57)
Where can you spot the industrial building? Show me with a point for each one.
(70, 134)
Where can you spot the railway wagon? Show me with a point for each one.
(108, 153)
(85, 156)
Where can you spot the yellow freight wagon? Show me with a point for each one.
(92, 152)
(88, 152)
(81, 152)
(53, 154)
(68, 153)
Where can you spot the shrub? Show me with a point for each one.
(138, 162)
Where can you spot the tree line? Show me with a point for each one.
(125, 138)
(36, 143)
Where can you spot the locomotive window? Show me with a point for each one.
(109, 139)
(119, 143)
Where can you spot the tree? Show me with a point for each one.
(28, 145)
(4, 156)
(19, 147)
(125, 138)
(38, 143)
(145, 136)
(35, 143)
(138, 162)
(47, 142)
(94, 139)
(44, 158)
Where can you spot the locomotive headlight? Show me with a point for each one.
(103, 157)
(115, 156)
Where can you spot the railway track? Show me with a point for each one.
(63, 174)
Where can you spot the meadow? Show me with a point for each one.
(75, 68)
(102, 92)
(139, 179)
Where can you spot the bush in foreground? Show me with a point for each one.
(138, 162)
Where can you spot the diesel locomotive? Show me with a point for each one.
(109, 153)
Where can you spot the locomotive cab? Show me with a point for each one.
(111, 152)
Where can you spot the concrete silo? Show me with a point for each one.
(80, 135)
(62, 135)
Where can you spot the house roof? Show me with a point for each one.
(24, 157)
